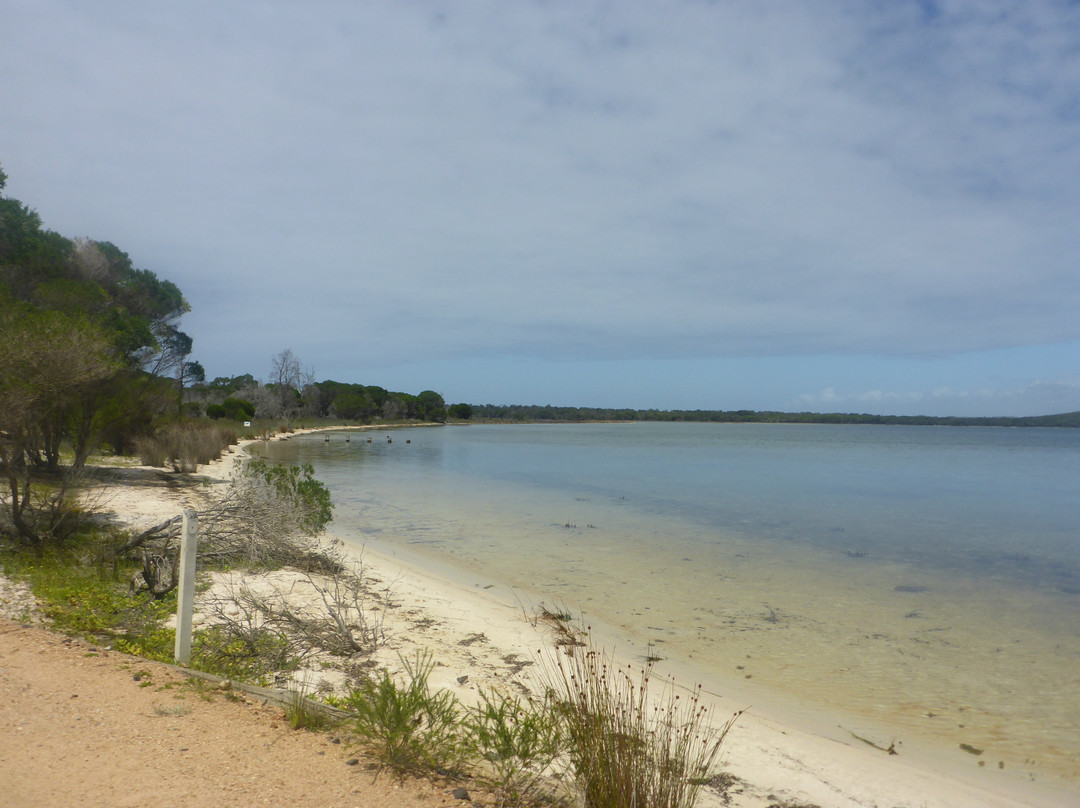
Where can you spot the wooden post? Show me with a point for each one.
(185, 595)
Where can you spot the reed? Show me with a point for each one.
(185, 446)
(631, 746)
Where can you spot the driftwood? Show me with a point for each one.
(160, 575)
(165, 528)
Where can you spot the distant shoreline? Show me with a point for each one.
(522, 413)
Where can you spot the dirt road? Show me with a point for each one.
(80, 725)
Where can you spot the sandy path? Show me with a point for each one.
(76, 728)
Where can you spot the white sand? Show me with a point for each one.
(484, 637)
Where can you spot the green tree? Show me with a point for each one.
(430, 407)
(462, 412)
(84, 335)
(49, 360)
(237, 409)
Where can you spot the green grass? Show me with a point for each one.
(303, 712)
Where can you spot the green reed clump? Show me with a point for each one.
(630, 748)
(303, 712)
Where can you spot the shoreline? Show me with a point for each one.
(777, 746)
(480, 630)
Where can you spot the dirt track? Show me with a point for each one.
(83, 726)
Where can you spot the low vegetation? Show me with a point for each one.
(530, 413)
(628, 745)
(184, 447)
(409, 727)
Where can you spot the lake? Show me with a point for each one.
(921, 579)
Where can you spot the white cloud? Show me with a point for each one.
(578, 180)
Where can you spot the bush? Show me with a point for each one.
(238, 409)
(409, 729)
(462, 412)
(519, 740)
(215, 411)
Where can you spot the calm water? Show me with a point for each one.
(925, 579)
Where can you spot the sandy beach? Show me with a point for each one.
(482, 634)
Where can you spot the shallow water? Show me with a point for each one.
(925, 579)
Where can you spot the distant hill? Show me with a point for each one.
(548, 413)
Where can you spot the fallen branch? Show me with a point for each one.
(150, 533)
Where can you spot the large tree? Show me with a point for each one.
(50, 360)
(84, 336)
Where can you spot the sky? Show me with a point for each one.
(838, 205)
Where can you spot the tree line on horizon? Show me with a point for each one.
(554, 414)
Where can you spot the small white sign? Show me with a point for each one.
(247, 423)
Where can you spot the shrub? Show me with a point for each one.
(247, 653)
(185, 446)
(238, 409)
(409, 729)
(519, 739)
(215, 411)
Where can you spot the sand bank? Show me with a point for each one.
(482, 634)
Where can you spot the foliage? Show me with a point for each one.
(296, 485)
(628, 748)
(408, 728)
(250, 656)
(79, 323)
(82, 594)
(462, 412)
(303, 712)
(517, 413)
(270, 515)
(519, 739)
(238, 409)
(430, 407)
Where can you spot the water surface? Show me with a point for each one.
(926, 579)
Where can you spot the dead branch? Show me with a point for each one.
(152, 533)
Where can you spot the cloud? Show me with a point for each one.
(583, 180)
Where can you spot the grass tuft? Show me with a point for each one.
(303, 712)
(631, 748)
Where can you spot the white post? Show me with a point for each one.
(185, 598)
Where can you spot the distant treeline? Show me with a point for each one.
(292, 396)
(531, 413)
